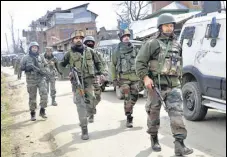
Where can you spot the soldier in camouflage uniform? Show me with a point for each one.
(163, 57)
(34, 66)
(17, 66)
(53, 69)
(85, 61)
(124, 74)
(89, 41)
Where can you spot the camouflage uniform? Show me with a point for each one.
(17, 63)
(163, 56)
(3, 61)
(96, 83)
(8, 60)
(35, 80)
(123, 70)
(17, 66)
(84, 59)
(14, 58)
(53, 69)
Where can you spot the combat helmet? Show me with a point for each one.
(89, 38)
(165, 19)
(33, 43)
(76, 34)
(49, 48)
(124, 32)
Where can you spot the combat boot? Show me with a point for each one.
(91, 118)
(181, 149)
(129, 121)
(42, 113)
(33, 116)
(84, 135)
(155, 143)
(54, 103)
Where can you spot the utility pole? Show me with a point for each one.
(7, 43)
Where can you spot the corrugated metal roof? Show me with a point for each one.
(143, 28)
(115, 41)
(108, 42)
(174, 5)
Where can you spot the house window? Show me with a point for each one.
(195, 2)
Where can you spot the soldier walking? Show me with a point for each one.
(84, 60)
(89, 41)
(124, 74)
(164, 58)
(35, 66)
(53, 70)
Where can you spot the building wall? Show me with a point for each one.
(190, 5)
(62, 32)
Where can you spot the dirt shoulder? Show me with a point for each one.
(24, 137)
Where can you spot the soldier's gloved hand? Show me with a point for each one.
(148, 82)
(28, 68)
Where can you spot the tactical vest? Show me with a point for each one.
(51, 65)
(125, 61)
(169, 60)
(84, 62)
(39, 62)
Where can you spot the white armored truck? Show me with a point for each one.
(203, 42)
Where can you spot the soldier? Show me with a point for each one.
(53, 69)
(89, 41)
(34, 66)
(84, 59)
(17, 66)
(164, 58)
(124, 74)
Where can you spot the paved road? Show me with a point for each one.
(110, 138)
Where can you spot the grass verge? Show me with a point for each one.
(6, 120)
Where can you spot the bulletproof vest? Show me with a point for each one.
(38, 62)
(169, 60)
(126, 59)
(51, 65)
(84, 61)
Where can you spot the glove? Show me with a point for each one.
(28, 68)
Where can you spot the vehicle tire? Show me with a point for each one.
(192, 102)
(118, 93)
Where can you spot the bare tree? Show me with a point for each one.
(128, 11)
(12, 32)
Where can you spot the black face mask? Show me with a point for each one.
(90, 45)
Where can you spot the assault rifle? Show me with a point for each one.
(76, 81)
(36, 69)
(160, 96)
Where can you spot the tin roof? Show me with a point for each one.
(146, 27)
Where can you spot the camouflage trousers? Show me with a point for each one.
(19, 73)
(97, 90)
(16, 68)
(51, 86)
(85, 105)
(173, 101)
(129, 90)
(32, 87)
